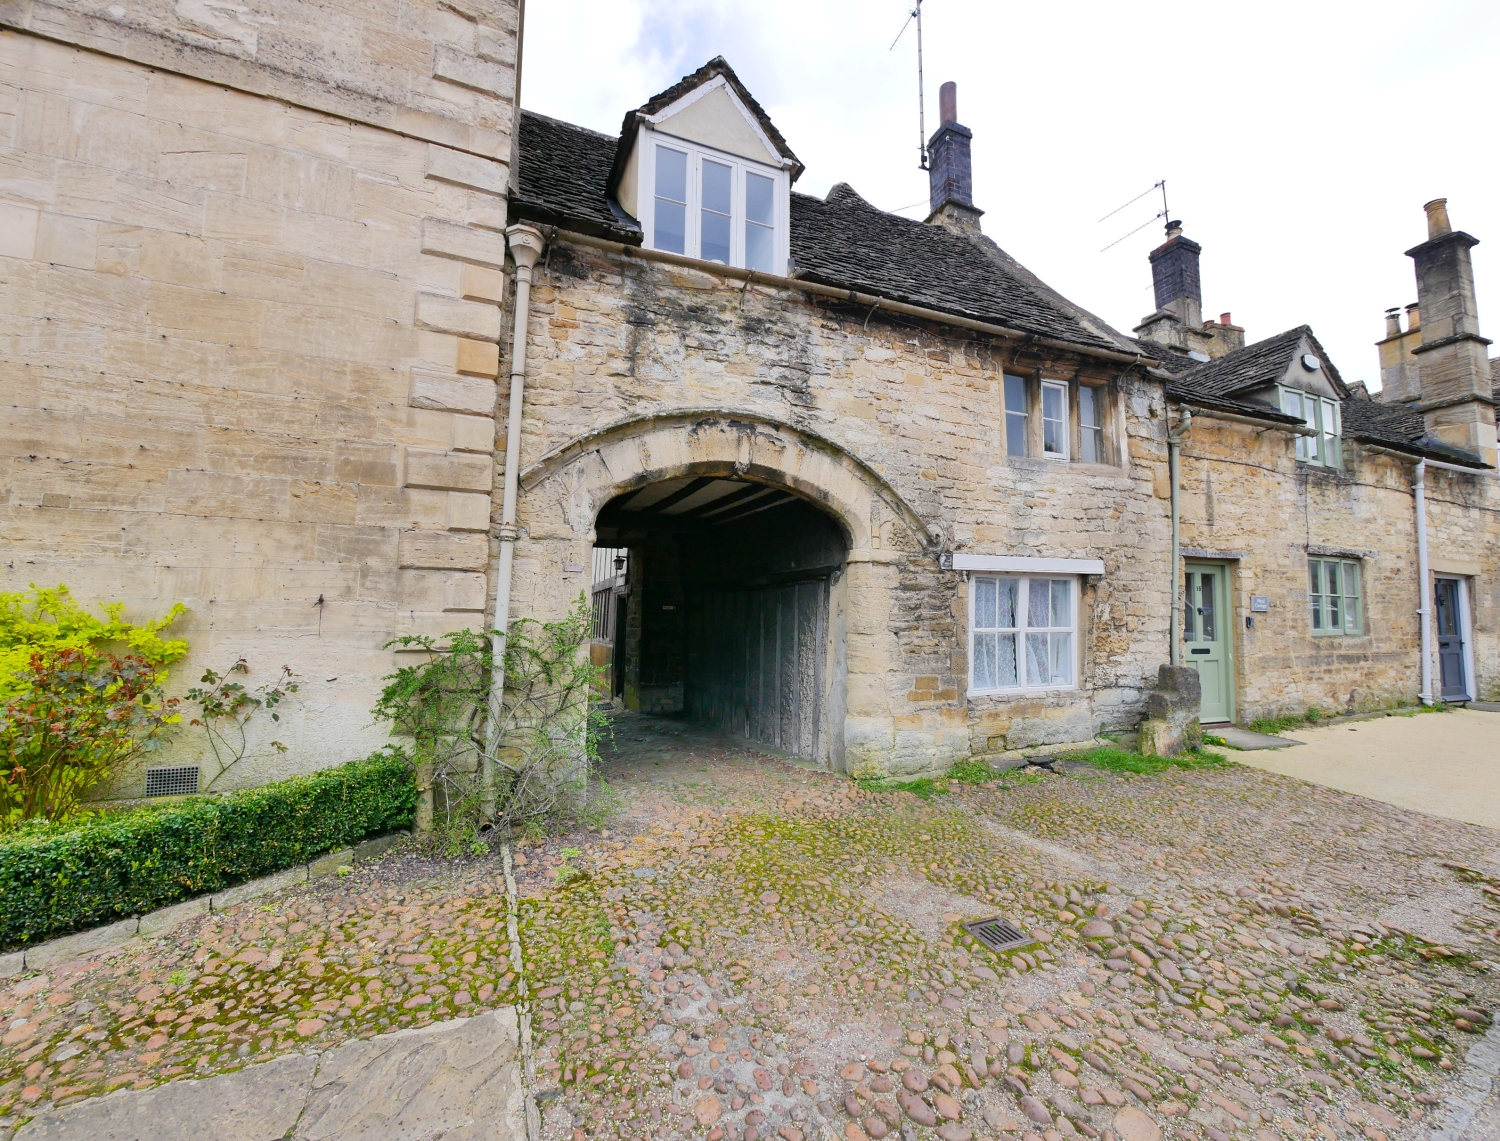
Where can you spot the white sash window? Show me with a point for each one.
(1023, 633)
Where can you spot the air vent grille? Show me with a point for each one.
(182, 781)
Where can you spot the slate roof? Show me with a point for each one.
(560, 179)
(714, 67)
(844, 241)
(1397, 426)
(563, 172)
(1257, 365)
(1185, 392)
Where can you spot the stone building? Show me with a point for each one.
(250, 275)
(882, 498)
(890, 501)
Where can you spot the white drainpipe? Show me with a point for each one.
(1174, 447)
(1419, 489)
(525, 247)
(1424, 581)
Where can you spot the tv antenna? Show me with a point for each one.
(1163, 213)
(916, 14)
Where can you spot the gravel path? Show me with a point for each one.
(756, 951)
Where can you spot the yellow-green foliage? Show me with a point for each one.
(47, 618)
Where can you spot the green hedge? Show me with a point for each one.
(58, 878)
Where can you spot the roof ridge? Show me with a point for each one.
(525, 111)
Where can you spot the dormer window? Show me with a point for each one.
(707, 174)
(1325, 448)
(714, 206)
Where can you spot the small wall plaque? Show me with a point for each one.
(1260, 604)
(572, 568)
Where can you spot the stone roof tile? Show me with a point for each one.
(841, 240)
(560, 179)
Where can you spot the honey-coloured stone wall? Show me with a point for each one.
(250, 307)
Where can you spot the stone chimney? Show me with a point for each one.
(1227, 336)
(1453, 368)
(1398, 363)
(950, 172)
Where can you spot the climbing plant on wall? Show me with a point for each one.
(548, 737)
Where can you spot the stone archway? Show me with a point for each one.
(563, 492)
(585, 473)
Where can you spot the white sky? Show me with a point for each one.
(1298, 140)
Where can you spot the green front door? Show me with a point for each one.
(1205, 636)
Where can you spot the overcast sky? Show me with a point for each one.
(1298, 140)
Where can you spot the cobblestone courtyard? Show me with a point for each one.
(752, 950)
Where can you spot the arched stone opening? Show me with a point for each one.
(828, 540)
(729, 612)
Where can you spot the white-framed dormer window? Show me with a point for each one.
(1054, 420)
(714, 206)
(1322, 416)
(1023, 633)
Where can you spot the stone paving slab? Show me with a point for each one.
(1246, 741)
(458, 1080)
(258, 1103)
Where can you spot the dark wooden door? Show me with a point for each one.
(755, 663)
(1448, 601)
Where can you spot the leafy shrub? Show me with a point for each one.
(58, 877)
(75, 722)
(543, 748)
(47, 619)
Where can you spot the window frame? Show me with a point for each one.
(1066, 434)
(741, 168)
(1352, 618)
(1024, 415)
(1099, 397)
(1323, 415)
(1022, 628)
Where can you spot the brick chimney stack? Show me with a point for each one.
(1174, 273)
(950, 172)
(1452, 365)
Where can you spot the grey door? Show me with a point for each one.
(1205, 636)
(1448, 601)
(755, 663)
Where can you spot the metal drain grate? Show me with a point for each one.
(172, 782)
(997, 934)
